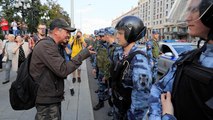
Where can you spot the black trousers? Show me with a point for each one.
(1, 61)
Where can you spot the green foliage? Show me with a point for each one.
(1, 37)
(56, 11)
(33, 15)
(7, 10)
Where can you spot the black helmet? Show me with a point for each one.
(133, 27)
(206, 12)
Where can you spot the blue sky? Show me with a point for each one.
(94, 14)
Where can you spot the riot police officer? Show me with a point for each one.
(113, 54)
(100, 63)
(131, 88)
(189, 82)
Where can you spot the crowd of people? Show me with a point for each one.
(126, 74)
(15, 28)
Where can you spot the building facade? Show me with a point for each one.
(134, 11)
(154, 14)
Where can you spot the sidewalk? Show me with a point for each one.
(77, 107)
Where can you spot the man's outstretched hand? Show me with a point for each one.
(91, 50)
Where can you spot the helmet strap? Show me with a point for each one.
(210, 35)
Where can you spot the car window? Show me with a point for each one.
(182, 48)
(165, 49)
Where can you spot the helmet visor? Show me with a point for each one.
(182, 8)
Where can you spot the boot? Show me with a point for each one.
(73, 80)
(99, 105)
(79, 80)
(72, 92)
(96, 91)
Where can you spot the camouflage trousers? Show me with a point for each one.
(137, 114)
(102, 88)
(155, 70)
(48, 112)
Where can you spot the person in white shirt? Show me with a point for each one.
(14, 26)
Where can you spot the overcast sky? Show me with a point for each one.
(95, 14)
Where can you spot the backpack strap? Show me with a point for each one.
(130, 56)
(46, 38)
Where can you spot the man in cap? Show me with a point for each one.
(49, 75)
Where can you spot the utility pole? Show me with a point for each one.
(72, 14)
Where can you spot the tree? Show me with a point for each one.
(8, 10)
(56, 11)
(33, 18)
(50, 10)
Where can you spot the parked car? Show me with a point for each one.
(170, 53)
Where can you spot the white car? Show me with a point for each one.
(170, 53)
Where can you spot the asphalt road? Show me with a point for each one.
(102, 113)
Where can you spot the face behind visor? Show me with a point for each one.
(182, 8)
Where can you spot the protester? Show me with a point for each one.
(77, 43)
(48, 68)
(67, 55)
(131, 90)
(4, 26)
(20, 51)
(41, 32)
(24, 28)
(8, 56)
(189, 80)
(14, 26)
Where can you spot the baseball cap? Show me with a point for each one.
(110, 30)
(155, 32)
(61, 23)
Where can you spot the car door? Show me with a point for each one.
(166, 59)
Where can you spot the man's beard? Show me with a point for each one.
(43, 34)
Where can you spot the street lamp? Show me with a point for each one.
(23, 5)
